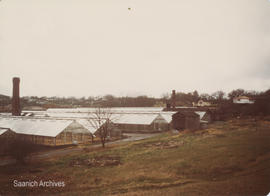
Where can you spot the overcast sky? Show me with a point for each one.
(98, 47)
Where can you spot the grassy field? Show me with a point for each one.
(228, 158)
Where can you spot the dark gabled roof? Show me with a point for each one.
(186, 113)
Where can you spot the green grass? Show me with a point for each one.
(230, 158)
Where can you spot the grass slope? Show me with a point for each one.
(230, 158)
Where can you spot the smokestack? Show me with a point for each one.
(16, 108)
(173, 99)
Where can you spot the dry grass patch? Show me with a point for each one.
(100, 161)
(165, 145)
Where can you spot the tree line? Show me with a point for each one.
(182, 99)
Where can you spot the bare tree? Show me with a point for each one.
(218, 96)
(236, 93)
(101, 120)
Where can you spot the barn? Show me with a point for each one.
(186, 120)
(45, 131)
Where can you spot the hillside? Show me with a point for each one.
(229, 158)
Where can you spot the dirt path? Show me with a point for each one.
(61, 152)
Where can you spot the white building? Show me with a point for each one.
(202, 103)
(242, 100)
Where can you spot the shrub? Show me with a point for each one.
(20, 149)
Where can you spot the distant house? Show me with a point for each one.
(201, 103)
(186, 120)
(242, 100)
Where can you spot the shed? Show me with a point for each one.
(186, 120)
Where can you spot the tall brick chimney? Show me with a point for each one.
(16, 108)
(173, 99)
